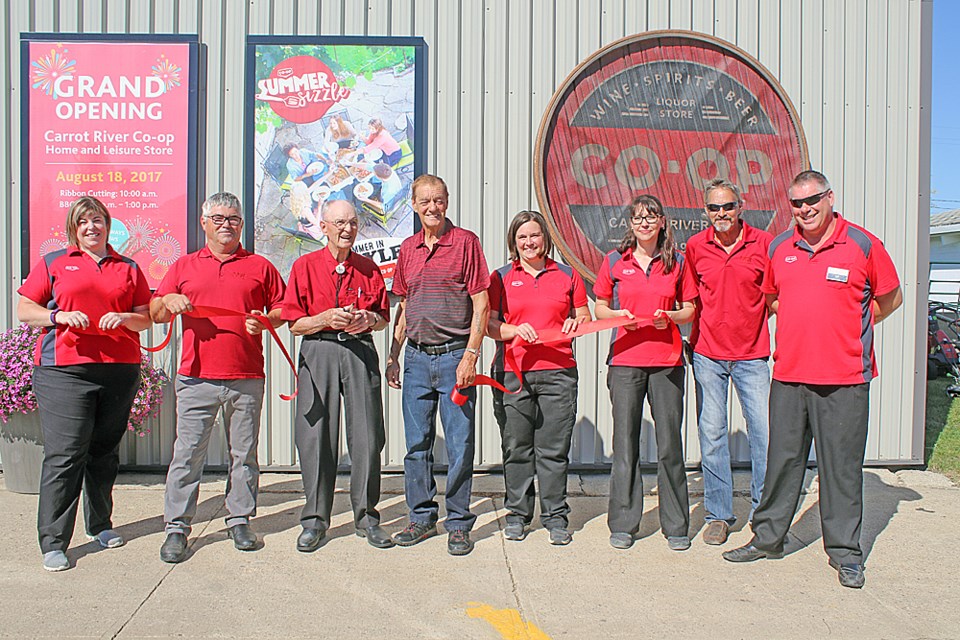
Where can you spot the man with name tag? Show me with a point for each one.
(221, 370)
(336, 299)
(731, 343)
(442, 279)
(829, 281)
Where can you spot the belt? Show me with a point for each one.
(437, 349)
(337, 336)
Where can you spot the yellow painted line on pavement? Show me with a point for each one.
(506, 622)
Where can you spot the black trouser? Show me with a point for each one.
(663, 387)
(329, 369)
(536, 425)
(835, 417)
(83, 414)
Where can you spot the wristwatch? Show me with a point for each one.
(475, 352)
(53, 316)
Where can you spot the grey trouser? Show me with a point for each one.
(835, 417)
(663, 387)
(328, 370)
(199, 400)
(536, 425)
(84, 410)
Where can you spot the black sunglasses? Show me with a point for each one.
(726, 206)
(810, 200)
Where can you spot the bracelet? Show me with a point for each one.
(475, 352)
(53, 316)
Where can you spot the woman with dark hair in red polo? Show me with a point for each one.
(533, 293)
(91, 301)
(646, 277)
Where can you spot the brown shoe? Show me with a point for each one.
(716, 533)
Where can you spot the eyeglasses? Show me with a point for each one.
(726, 206)
(343, 224)
(809, 201)
(650, 218)
(217, 219)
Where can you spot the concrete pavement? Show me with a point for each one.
(502, 590)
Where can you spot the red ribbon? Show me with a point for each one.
(550, 336)
(198, 312)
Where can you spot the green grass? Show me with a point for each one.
(942, 450)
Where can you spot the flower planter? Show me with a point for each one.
(21, 452)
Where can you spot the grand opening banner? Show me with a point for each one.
(114, 118)
(333, 118)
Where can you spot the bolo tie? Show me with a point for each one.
(340, 271)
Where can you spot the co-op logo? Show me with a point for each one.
(301, 89)
(662, 113)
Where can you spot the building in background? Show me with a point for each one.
(858, 74)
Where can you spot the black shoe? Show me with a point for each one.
(243, 537)
(749, 553)
(850, 575)
(376, 536)
(310, 539)
(414, 533)
(459, 543)
(174, 548)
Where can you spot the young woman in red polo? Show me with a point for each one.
(646, 278)
(533, 292)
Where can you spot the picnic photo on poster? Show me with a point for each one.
(333, 122)
(110, 120)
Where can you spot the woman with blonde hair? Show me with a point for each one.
(91, 302)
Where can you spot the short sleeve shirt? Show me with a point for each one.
(71, 280)
(315, 286)
(437, 284)
(825, 313)
(220, 348)
(543, 301)
(731, 320)
(626, 285)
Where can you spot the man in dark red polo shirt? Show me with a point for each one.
(731, 342)
(442, 279)
(829, 281)
(336, 299)
(221, 370)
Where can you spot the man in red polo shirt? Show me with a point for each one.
(336, 299)
(442, 280)
(221, 369)
(829, 281)
(731, 342)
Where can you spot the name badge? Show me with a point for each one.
(835, 274)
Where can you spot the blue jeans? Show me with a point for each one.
(427, 383)
(751, 379)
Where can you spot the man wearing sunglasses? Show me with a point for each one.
(221, 369)
(731, 342)
(829, 281)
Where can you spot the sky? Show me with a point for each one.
(945, 125)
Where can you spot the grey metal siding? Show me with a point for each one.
(858, 72)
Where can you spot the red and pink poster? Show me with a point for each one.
(111, 120)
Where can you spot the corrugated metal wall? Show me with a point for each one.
(858, 72)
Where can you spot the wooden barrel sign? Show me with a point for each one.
(663, 113)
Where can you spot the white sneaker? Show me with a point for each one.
(55, 561)
(108, 539)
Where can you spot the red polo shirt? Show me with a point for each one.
(543, 301)
(221, 348)
(626, 285)
(825, 316)
(313, 286)
(437, 284)
(71, 280)
(731, 320)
